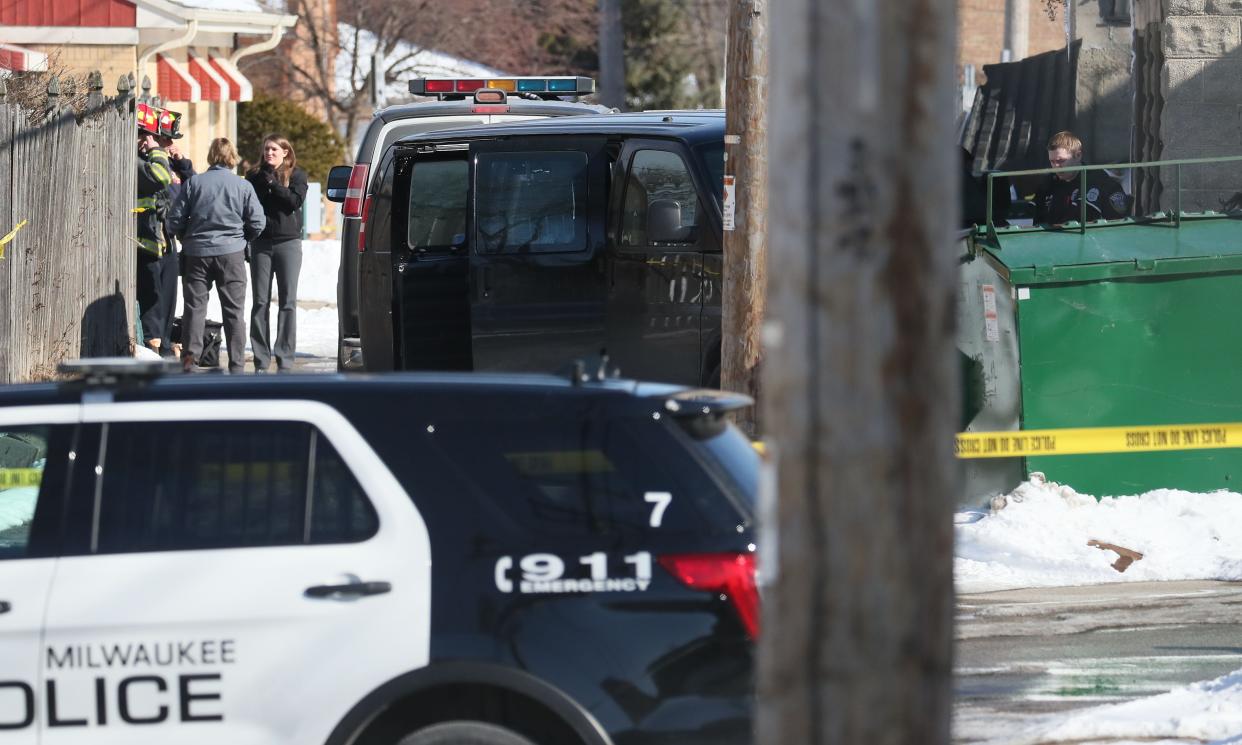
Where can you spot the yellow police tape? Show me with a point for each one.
(11, 477)
(10, 236)
(1097, 440)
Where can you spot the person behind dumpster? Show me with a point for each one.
(215, 215)
(1057, 200)
(156, 287)
(281, 187)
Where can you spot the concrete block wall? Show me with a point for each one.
(1188, 79)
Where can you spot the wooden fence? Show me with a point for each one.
(67, 275)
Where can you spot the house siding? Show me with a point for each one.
(72, 13)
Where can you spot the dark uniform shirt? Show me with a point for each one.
(1057, 201)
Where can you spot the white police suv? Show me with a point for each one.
(398, 560)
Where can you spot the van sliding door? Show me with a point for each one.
(536, 261)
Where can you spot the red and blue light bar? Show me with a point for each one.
(548, 86)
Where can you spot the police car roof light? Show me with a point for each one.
(549, 86)
(110, 370)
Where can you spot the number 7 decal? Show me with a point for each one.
(661, 501)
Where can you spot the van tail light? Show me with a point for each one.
(362, 229)
(732, 575)
(354, 190)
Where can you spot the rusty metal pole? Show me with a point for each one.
(745, 202)
(860, 383)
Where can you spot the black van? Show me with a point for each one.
(520, 246)
(459, 103)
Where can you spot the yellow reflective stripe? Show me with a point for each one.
(150, 246)
(161, 174)
(11, 477)
(1090, 440)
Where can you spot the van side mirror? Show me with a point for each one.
(664, 223)
(338, 182)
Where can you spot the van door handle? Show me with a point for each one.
(348, 590)
(5, 607)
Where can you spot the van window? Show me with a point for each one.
(203, 485)
(713, 158)
(656, 175)
(530, 202)
(23, 457)
(438, 191)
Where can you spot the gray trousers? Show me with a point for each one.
(284, 260)
(228, 272)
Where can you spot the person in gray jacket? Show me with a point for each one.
(215, 215)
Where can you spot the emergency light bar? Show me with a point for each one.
(548, 86)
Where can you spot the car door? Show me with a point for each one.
(430, 259)
(375, 281)
(656, 291)
(34, 455)
(538, 237)
(251, 571)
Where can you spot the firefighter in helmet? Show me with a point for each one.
(157, 266)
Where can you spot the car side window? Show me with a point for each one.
(658, 182)
(558, 477)
(169, 486)
(438, 191)
(531, 202)
(23, 458)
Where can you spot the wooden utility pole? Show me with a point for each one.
(860, 386)
(745, 201)
(611, 55)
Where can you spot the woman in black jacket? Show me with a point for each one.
(281, 187)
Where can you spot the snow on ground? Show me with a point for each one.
(1039, 538)
(316, 300)
(1208, 712)
(17, 505)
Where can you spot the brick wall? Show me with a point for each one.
(1189, 83)
(981, 33)
(112, 60)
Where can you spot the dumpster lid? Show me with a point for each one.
(1212, 243)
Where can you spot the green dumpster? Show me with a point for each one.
(1132, 323)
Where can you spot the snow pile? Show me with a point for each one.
(17, 506)
(1208, 712)
(1039, 538)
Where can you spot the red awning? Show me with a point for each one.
(20, 59)
(239, 85)
(175, 83)
(214, 86)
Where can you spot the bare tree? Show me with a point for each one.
(337, 63)
(860, 386)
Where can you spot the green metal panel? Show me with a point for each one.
(1119, 250)
(1156, 349)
